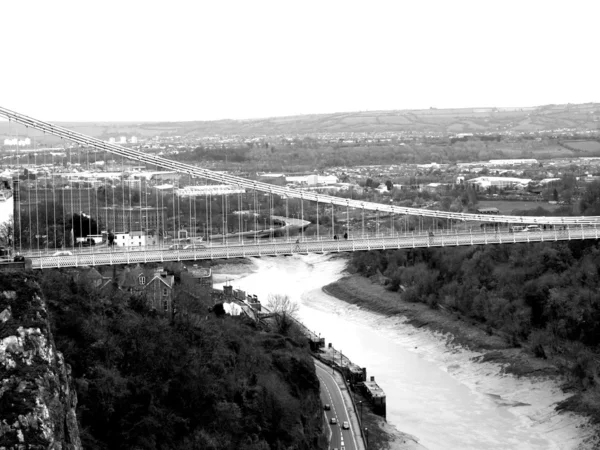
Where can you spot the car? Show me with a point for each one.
(62, 253)
(192, 246)
(346, 426)
(19, 258)
(517, 228)
(533, 228)
(176, 247)
(333, 421)
(327, 406)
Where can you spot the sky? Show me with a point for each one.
(175, 60)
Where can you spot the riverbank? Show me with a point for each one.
(382, 435)
(460, 331)
(439, 394)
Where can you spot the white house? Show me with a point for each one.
(131, 239)
(312, 180)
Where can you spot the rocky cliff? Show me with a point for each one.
(37, 398)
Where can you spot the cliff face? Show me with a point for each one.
(37, 398)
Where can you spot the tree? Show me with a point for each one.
(6, 231)
(389, 185)
(83, 225)
(285, 311)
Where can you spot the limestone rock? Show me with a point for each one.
(37, 397)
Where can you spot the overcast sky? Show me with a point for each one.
(199, 60)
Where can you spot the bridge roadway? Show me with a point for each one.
(284, 247)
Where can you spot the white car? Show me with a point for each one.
(63, 253)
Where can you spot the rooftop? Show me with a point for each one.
(374, 389)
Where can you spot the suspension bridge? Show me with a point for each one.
(101, 203)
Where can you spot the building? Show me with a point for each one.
(312, 180)
(17, 142)
(376, 395)
(488, 211)
(159, 292)
(90, 276)
(155, 286)
(435, 187)
(199, 276)
(197, 283)
(209, 189)
(131, 239)
(513, 162)
(499, 182)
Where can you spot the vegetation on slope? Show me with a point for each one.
(543, 296)
(144, 382)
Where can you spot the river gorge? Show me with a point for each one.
(435, 391)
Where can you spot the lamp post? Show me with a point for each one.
(367, 436)
(360, 411)
(333, 360)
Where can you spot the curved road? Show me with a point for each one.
(332, 394)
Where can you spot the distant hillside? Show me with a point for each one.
(466, 120)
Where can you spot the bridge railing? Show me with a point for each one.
(286, 247)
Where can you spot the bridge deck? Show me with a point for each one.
(285, 247)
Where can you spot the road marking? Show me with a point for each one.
(334, 410)
(342, 396)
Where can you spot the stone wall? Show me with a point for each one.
(37, 397)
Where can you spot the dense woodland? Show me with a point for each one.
(144, 382)
(540, 296)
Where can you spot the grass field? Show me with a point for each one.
(585, 146)
(507, 207)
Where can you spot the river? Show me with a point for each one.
(434, 392)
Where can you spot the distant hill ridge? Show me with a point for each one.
(453, 120)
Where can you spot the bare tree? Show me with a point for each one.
(285, 311)
(6, 232)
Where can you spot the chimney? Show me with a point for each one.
(228, 290)
(372, 378)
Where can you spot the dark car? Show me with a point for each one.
(327, 406)
(19, 258)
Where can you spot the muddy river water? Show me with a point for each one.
(434, 392)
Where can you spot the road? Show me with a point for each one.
(332, 394)
(281, 246)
